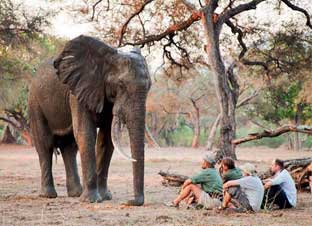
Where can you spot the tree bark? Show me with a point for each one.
(196, 118)
(224, 94)
(17, 120)
(8, 137)
(213, 133)
(274, 133)
(172, 179)
(297, 142)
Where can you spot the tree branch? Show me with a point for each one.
(274, 133)
(240, 36)
(93, 8)
(239, 9)
(170, 30)
(136, 13)
(296, 8)
(9, 122)
(246, 100)
(190, 6)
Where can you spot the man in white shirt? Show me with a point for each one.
(280, 189)
(244, 194)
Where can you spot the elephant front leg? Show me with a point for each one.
(85, 136)
(104, 151)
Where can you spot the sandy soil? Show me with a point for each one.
(20, 204)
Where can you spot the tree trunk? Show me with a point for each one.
(290, 142)
(7, 137)
(18, 121)
(224, 93)
(297, 142)
(196, 118)
(213, 133)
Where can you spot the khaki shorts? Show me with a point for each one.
(207, 201)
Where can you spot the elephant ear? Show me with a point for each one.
(83, 65)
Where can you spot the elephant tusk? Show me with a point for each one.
(67, 57)
(149, 134)
(116, 134)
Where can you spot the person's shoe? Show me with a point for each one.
(171, 204)
(220, 208)
(191, 206)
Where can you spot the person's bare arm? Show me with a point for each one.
(230, 183)
(268, 184)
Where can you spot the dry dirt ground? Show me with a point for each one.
(20, 204)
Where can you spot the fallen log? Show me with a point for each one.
(274, 133)
(172, 179)
(299, 169)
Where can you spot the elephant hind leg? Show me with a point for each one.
(69, 154)
(43, 141)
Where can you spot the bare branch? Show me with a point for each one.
(296, 8)
(190, 6)
(170, 30)
(274, 133)
(125, 25)
(93, 8)
(255, 63)
(238, 9)
(240, 36)
(9, 122)
(247, 99)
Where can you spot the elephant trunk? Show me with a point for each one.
(136, 127)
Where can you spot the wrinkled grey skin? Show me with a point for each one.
(90, 84)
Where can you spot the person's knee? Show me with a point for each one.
(193, 187)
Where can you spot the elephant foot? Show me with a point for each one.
(48, 192)
(139, 201)
(106, 194)
(90, 196)
(74, 191)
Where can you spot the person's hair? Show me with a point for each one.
(279, 162)
(210, 165)
(229, 162)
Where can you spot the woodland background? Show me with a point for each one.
(182, 107)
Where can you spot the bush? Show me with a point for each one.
(308, 142)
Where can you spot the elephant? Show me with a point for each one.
(80, 103)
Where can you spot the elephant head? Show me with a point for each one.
(98, 74)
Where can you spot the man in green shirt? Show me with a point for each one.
(228, 170)
(206, 185)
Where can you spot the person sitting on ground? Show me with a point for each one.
(206, 186)
(280, 189)
(228, 170)
(244, 194)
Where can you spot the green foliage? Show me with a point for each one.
(308, 142)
